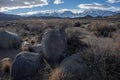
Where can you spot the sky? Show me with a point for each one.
(25, 7)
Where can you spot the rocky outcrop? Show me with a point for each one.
(54, 43)
(9, 40)
(75, 68)
(25, 65)
(37, 48)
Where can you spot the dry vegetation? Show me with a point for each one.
(58, 74)
(97, 41)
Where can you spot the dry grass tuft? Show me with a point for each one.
(59, 74)
(116, 46)
(74, 44)
(5, 68)
(102, 54)
(103, 29)
(6, 65)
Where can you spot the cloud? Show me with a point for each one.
(58, 2)
(113, 1)
(98, 6)
(93, 6)
(6, 5)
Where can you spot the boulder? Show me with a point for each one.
(74, 68)
(25, 65)
(9, 39)
(54, 44)
(37, 48)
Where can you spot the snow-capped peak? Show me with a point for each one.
(71, 13)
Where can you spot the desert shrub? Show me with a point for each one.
(59, 74)
(5, 68)
(74, 44)
(101, 54)
(77, 24)
(35, 30)
(111, 67)
(26, 28)
(24, 34)
(103, 29)
(26, 45)
(5, 65)
(116, 47)
(35, 39)
(107, 63)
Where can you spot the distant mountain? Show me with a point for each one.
(70, 14)
(64, 14)
(88, 16)
(95, 13)
(114, 16)
(42, 17)
(9, 16)
(56, 14)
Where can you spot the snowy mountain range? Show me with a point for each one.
(9, 16)
(67, 13)
(59, 14)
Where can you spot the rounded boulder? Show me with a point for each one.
(26, 64)
(54, 43)
(9, 39)
(74, 68)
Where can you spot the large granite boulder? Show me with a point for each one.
(9, 39)
(25, 65)
(75, 68)
(54, 43)
(37, 48)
